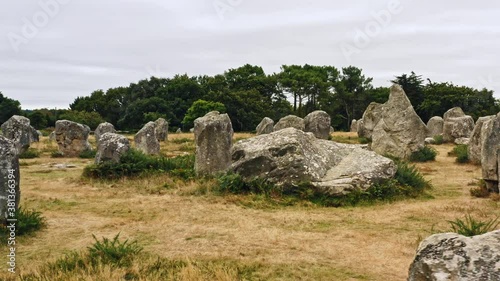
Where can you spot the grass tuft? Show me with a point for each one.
(461, 152)
(88, 154)
(29, 154)
(472, 227)
(425, 154)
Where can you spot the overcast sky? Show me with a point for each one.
(52, 51)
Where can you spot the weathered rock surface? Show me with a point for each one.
(72, 138)
(213, 135)
(354, 125)
(490, 135)
(18, 129)
(9, 170)
(457, 125)
(371, 117)
(435, 126)
(111, 147)
(161, 129)
(52, 136)
(318, 122)
(290, 121)
(146, 141)
(266, 126)
(430, 141)
(462, 141)
(102, 129)
(475, 144)
(450, 256)
(400, 131)
(290, 156)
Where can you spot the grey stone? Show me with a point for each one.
(430, 141)
(52, 136)
(72, 138)
(18, 129)
(400, 131)
(213, 136)
(455, 112)
(10, 193)
(191, 130)
(266, 126)
(332, 130)
(371, 117)
(146, 140)
(161, 129)
(178, 131)
(490, 135)
(318, 122)
(288, 157)
(462, 141)
(111, 147)
(435, 126)
(450, 256)
(354, 125)
(102, 129)
(457, 127)
(475, 144)
(290, 121)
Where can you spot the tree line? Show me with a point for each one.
(248, 94)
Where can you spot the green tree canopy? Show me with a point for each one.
(199, 109)
(8, 108)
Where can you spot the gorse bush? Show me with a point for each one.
(423, 155)
(29, 154)
(438, 139)
(472, 227)
(28, 222)
(88, 154)
(134, 163)
(461, 152)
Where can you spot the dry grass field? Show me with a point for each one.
(172, 220)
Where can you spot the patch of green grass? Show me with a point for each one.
(365, 140)
(88, 154)
(425, 154)
(472, 227)
(134, 163)
(56, 154)
(113, 251)
(461, 152)
(29, 154)
(182, 140)
(438, 139)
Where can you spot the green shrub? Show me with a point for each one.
(365, 140)
(114, 252)
(29, 154)
(56, 154)
(135, 163)
(438, 139)
(28, 222)
(234, 183)
(88, 154)
(472, 227)
(461, 152)
(423, 155)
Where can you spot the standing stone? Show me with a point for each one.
(400, 131)
(9, 170)
(52, 136)
(371, 117)
(18, 129)
(111, 147)
(475, 144)
(146, 139)
(354, 125)
(318, 123)
(213, 135)
(266, 126)
(191, 130)
(102, 129)
(161, 129)
(290, 121)
(450, 256)
(72, 138)
(435, 126)
(490, 135)
(178, 131)
(457, 125)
